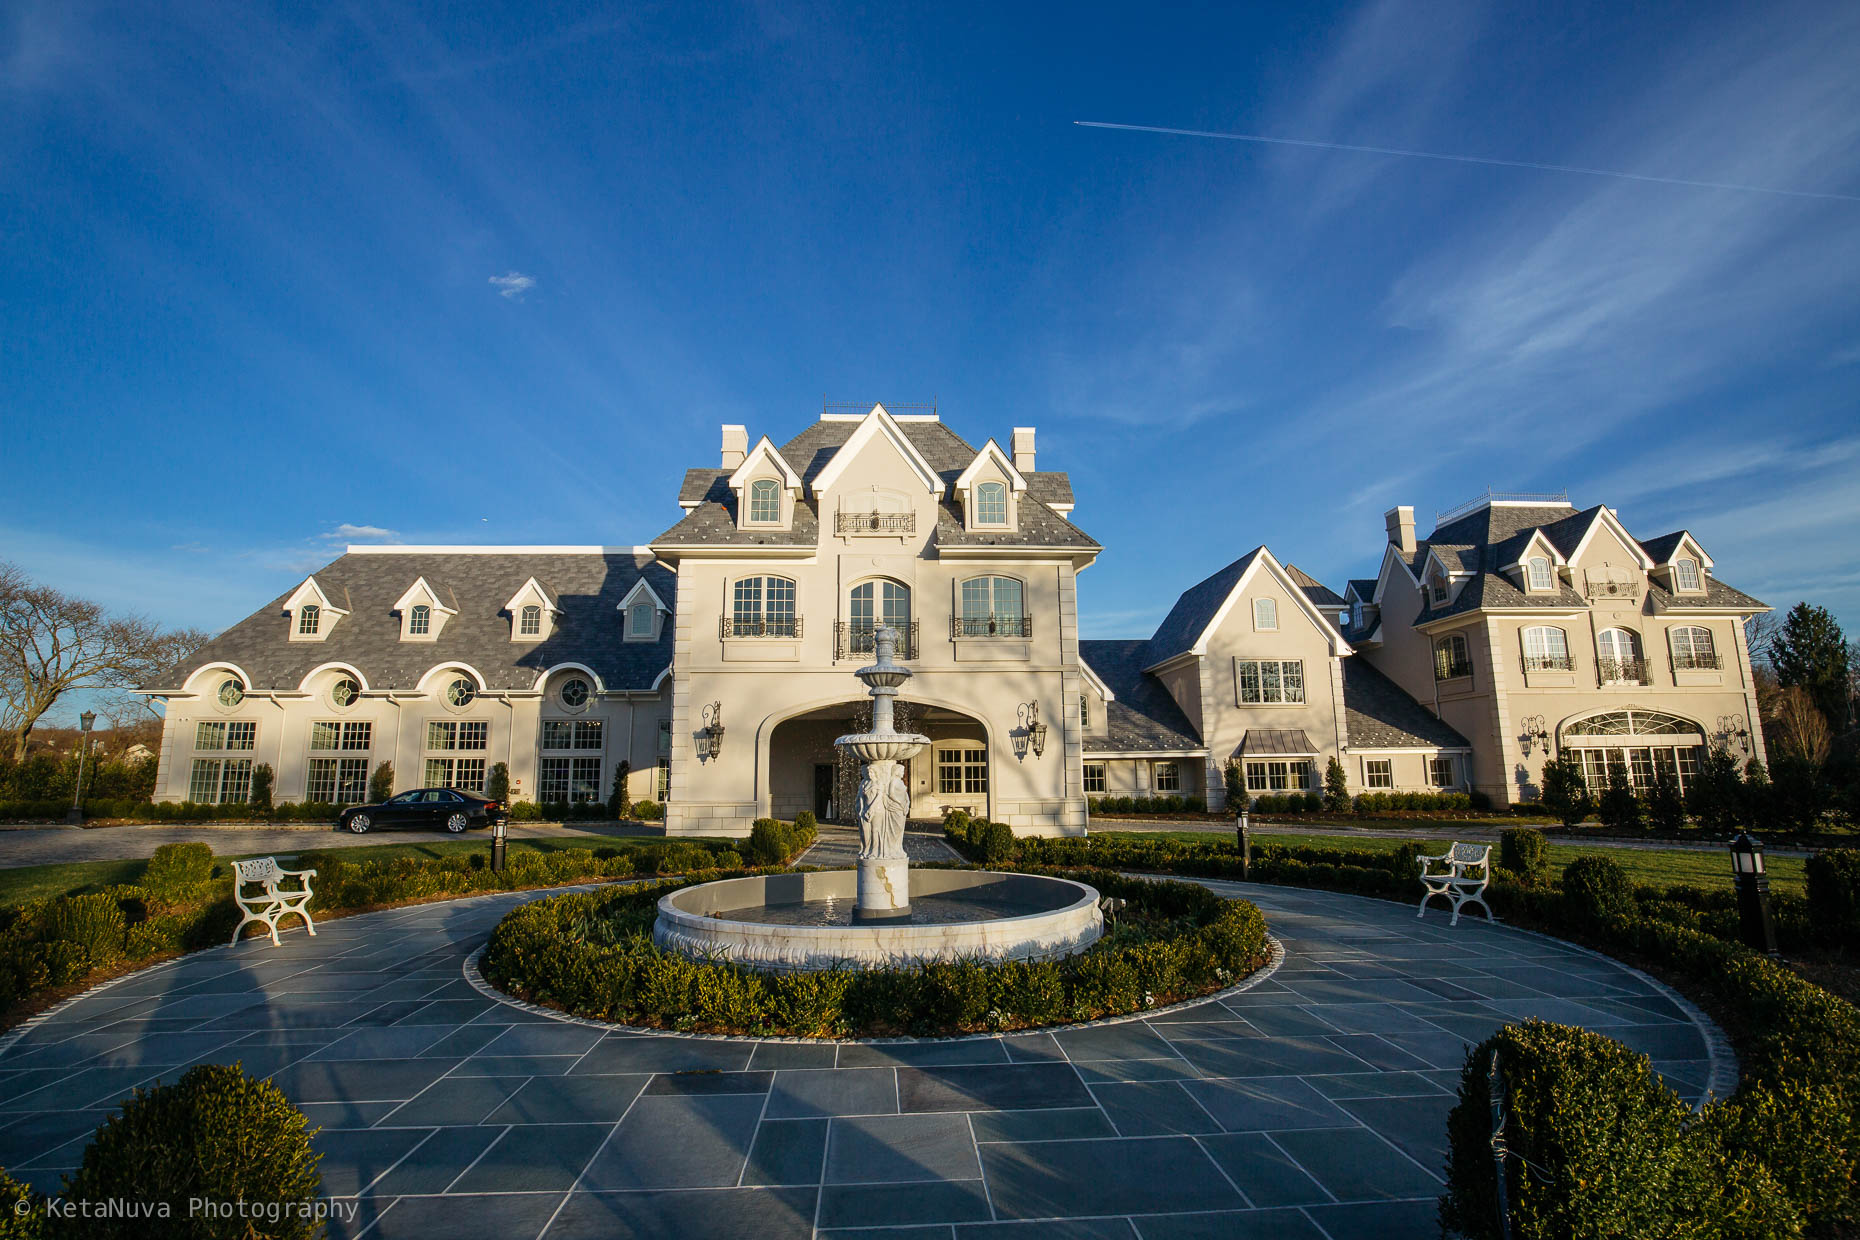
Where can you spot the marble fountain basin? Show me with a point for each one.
(804, 921)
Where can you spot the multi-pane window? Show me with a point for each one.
(231, 693)
(1437, 590)
(445, 734)
(420, 620)
(1274, 776)
(1379, 772)
(1686, 574)
(577, 780)
(765, 500)
(463, 773)
(1094, 777)
(992, 607)
(330, 735)
(1546, 648)
(1452, 657)
(343, 781)
(873, 603)
(1440, 772)
(1692, 647)
(230, 734)
(763, 607)
(529, 621)
(639, 620)
(1084, 712)
(665, 736)
(309, 619)
(575, 692)
(345, 692)
(1540, 573)
(664, 781)
(581, 734)
(1618, 657)
(1270, 680)
(220, 781)
(961, 769)
(991, 504)
(1168, 777)
(1266, 615)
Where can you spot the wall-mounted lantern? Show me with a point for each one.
(713, 729)
(1535, 733)
(1733, 731)
(1032, 733)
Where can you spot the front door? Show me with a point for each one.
(826, 783)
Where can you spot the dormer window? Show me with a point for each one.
(1686, 574)
(639, 620)
(1266, 615)
(765, 501)
(991, 504)
(529, 621)
(420, 621)
(1437, 590)
(533, 613)
(1540, 577)
(309, 620)
(641, 612)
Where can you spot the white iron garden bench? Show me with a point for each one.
(1468, 869)
(273, 902)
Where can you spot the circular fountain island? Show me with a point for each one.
(879, 914)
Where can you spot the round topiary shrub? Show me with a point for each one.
(996, 842)
(1523, 851)
(216, 1136)
(770, 842)
(1595, 889)
(805, 821)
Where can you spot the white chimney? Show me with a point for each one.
(1399, 522)
(735, 445)
(1023, 449)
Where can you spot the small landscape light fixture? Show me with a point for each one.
(1753, 893)
(86, 722)
(713, 729)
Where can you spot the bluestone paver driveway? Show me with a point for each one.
(1311, 1105)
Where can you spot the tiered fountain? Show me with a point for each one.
(803, 921)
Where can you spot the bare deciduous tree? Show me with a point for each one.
(1803, 728)
(1760, 634)
(52, 644)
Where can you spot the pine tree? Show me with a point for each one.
(381, 783)
(1566, 792)
(1336, 787)
(1234, 778)
(1716, 791)
(617, 802)
(1666, 808)
(1811, 651)
(1619, 809)
(260, 796)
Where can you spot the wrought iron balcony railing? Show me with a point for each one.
(875, 523)
(1622, 671)
(759, 626)
(991, 626)
(1549, 663)
(851, 640)
(1698, 662)
(1452, 671)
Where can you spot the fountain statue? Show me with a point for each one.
(884, 801)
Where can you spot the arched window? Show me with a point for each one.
(991, 504)
(575, 693)
(1546, 649)
(763, 607)
(765, 500)
(639, 619)
(1618, 658)
(231, 693)
(874, 603)
(345, 692)
(529, 621)
(1452, 657)
(1266, 615)
(420, 620)
(1540, 573)
(461, 691)
(993, 607)
(1692, 648)
(1686, 574)
(309, 618)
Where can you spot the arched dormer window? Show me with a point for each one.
(309, 620)
(529, 621)
(873, 603)
(1686, 574)
(765, 501)
(763, 607)
(1452, 657)
(1540, 578)
(991, 504)
(993, 607)
(420, 620)
(1546, 649)
(1693, 649)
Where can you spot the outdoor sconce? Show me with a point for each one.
(713, 729)
(1535, 733)
(1732, 730)
(1753, 892)
(1032, 732)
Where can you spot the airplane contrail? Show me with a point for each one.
(1464, 159)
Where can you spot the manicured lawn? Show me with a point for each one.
(1653, 866)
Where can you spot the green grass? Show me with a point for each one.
(1661, 867)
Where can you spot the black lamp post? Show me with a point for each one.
(498, 843)
(1753, 893)
(1245, 839)
(75, 814)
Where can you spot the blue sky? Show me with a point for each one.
(252, 306)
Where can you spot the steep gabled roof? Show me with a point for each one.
(1379, 714)
(878, 424)
(1314, 589)
(1186, 628)
(1142, 716)
(1361, 587)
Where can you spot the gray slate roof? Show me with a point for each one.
(1380, 715)
(586, 586)
(1661, 549)
(1363, 587)
(1193, 611)
(1143, 715)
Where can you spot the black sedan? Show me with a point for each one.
(425, 809)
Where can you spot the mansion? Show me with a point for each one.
(715, 662)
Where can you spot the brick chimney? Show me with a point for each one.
(735, 445)
(1023, 449)
(1399, 522)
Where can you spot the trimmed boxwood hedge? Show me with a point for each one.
(592, 955)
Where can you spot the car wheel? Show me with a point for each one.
(359, 823)
(457, 823)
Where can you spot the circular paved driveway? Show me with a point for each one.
(1312, 1105)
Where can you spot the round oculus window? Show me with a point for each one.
(231, 693)
(575, 692)
(461, 692)
(345, 692)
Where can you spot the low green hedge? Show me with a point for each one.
(592, 955)
(774, 842)
(1170, 803)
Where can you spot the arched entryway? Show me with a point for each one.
(805, 772)
(1640, 742)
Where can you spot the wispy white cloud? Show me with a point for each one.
(513, 285)
(354, 533)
